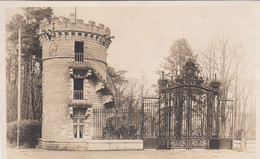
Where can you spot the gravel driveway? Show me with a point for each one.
(141, 154)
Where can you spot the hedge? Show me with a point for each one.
(30, 130)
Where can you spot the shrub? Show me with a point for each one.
(29, 132)
(120, 131)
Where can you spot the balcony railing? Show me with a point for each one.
(79, 57)
(78, 94)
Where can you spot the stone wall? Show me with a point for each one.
(116, 145)
(247, 145)
(55, 98)
(58, 39)
(62, 46)
(94, 145)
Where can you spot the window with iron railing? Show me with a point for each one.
(79, 51)
(79, 57)
(78, 93)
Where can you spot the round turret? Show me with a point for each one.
(74, 80)
(60, 33)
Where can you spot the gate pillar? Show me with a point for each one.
(162, 142)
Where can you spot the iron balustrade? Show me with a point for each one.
(150, 117)
(121, 123)
(78, 94)
(79, 57)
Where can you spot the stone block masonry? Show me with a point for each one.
(66, 122)
(115, 145)
(94, 145)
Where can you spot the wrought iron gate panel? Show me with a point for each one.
(184, 118)
(188, 115)
(199, 119)
(179, 119)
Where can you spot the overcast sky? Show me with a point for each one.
(144, 31)
(143, 34)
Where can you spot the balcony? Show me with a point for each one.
(78, 100)
(79, 57)
(78, 95)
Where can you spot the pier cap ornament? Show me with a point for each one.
(162, 82)
(189, 75)
(215, 86)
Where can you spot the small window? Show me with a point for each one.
(79, 47)
(78, 122)
(78, 88)
(79, 51)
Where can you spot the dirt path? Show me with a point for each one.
(142, 154)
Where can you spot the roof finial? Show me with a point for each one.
(75, 14)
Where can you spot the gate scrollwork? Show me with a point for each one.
(187, 109)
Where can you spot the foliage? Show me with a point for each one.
(117, 77)
(30, 72)
(121, 130)
(128, 92)
(29, 132)
(180, 52)
(118, 81)
(125, 122)
(29, 29)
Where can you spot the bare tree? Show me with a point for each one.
(227, 62)
(11, 81)
(238, 71)
(208, 65)
(135, 91)
(218, 59)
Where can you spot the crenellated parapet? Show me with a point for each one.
(63, 29)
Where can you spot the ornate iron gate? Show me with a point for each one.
(187, 110)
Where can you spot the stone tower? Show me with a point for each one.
(74, 80)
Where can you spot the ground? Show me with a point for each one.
(141, 154)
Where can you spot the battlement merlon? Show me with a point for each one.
(59, 25)
(63, 25)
